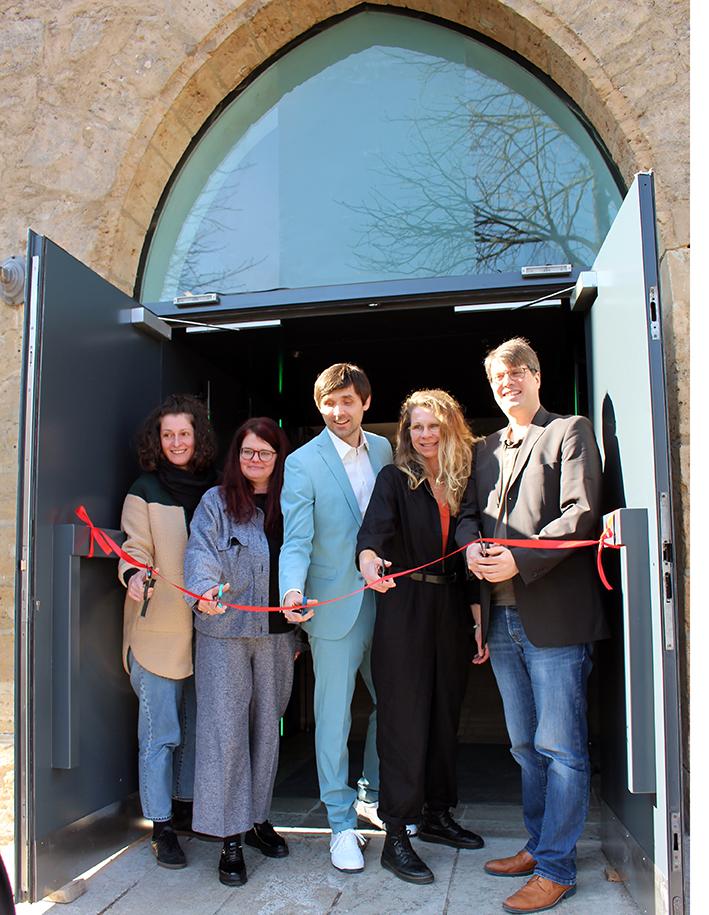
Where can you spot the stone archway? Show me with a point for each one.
(596, 53)
(249, 37)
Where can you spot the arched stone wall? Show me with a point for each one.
(100, 101)
(551, 39)
(625, 66)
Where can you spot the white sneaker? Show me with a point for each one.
(412, 830)
(367, 810)
(346, 851)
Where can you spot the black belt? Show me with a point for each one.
(449, 579)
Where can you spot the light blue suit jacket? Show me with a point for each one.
(321, 519)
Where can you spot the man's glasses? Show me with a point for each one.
(266, 456)
(516, 374)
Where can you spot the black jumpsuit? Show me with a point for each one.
(420, 653)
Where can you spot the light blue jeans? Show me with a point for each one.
(544, 695)
(167, 712)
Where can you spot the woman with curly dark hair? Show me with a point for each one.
(243, 660)
(176, 451)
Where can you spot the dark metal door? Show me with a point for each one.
(89, 379)
(641, 766)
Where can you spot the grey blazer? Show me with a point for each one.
(221, 550)
(554, 492)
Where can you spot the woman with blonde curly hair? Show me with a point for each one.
(420, 651)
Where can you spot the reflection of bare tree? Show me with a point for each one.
(490, 183)
(203, 259)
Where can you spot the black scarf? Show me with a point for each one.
(185, 487)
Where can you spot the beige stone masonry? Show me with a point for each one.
(101, 101)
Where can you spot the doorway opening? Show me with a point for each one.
(60, 792)
(271, 370)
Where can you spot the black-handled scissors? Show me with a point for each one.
(147, 584)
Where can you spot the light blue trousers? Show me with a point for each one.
(336, 662)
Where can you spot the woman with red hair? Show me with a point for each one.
(244, 660)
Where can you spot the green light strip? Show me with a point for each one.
(280, 421)
(576, 391)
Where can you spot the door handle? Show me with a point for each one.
(630, 527)
(71, 542)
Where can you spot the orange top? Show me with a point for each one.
(445, 515)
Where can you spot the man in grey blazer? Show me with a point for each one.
(538, 478)
(326, 490)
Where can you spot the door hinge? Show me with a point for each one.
(652, 302)
(668, 604)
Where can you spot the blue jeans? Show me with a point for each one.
(544, 695)
(166, 739)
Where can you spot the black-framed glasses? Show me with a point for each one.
(263, 455)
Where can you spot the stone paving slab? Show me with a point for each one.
(305, 883)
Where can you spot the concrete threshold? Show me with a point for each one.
(131, 882)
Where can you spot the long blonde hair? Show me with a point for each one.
(454, 447)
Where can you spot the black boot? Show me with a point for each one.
(165, 846)
(439, 826)
(182, 817)
(182, 821)
(399, 857)
(232, 870)
(264, 837)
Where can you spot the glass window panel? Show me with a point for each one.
(384, 147)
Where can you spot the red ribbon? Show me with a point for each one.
(109, 545)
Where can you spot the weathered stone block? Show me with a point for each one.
(271, 27)
(199, 98)
(237, 57)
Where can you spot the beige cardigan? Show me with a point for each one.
(156, 534)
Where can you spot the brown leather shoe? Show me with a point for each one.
(520, 865)
(537, 895)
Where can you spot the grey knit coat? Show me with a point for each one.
(222, 550)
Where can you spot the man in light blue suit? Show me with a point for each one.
(326, 489)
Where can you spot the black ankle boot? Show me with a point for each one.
(399, 857)
(165, 846)
(232, 870)
(264, 837)
(182, 817)
(182, 821)
(439, 826)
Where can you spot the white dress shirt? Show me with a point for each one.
(358, 468)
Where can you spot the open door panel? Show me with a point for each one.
(640, 694)
(89, 379)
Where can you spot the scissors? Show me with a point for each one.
(147, 584)
(304, 609)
